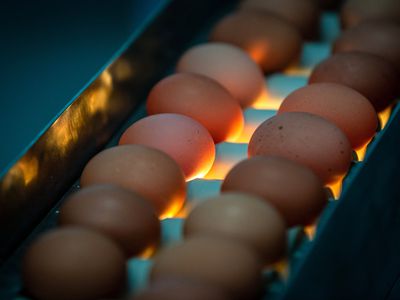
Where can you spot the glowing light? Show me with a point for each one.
(122, 70)
(25, 171)
(282, 267)
(298, 71)
(65, 131)
(236, 131)
(361, 152)
(267, 101)
(174, 207)
(258, 50)
(336, 188)
(148, 252)
(220, 169)
(247, 133)
(384, 116)
(310, 231)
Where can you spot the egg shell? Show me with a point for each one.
(302, 14)
(175, 288)
(375, 37)
(294, 190)
(148, 172)
(124, 216)
(181, 137)
(200, 98)
(343, 106)
(73, 263)
(354, 12)
(247, 219)
(223, 263)
(306, 139)
(368, 74)
(270, 41)
(229, 65)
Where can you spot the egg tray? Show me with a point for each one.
(354, 253)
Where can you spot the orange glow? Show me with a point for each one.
(282, 267)
(384, 116)
(148, 252)
(247, 133)
(297, 71)
(25, 170)
(122, 69)
(237, 130)
(258, 51)
(174, 208)
(220, 169)
(310, 231)
(65, 131)
(361, 152)
(336, 188)
(266, 101)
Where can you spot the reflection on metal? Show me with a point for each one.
(27, 189)
(25, 171)
(123, 70)
(46, 171)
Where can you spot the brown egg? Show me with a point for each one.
(230, 66)
(122, 215)
(270, 41)
(73, 263)
(306, 139)
(241, 217)
(368, 74)
(294, 190)
(302, 14)
(223, 263)
(173, 288)
(354, 12)
(200, 98)
(375, 37)
(146, 171)
(343, 106)
(181, 137)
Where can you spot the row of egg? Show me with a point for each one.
(126, 189)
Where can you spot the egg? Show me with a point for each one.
(307, 139)
(148, 172)
(354, 12)
(302, 14)
(173, 288)
(229, 65)
(241, 217)
(375, 37)
(343, 106)
(270, 41)
(200, 98)
(181, 137)
(294, 190)
(73, 263)
(125, 217)
(222, 263)
(368, 74)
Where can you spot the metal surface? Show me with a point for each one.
(356, 255)
(46, 171)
